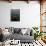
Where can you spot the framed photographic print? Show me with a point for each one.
(15, 14)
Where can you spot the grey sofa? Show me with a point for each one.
(17, 35)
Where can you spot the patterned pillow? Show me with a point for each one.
(17, 30)
(11, 30)
(23, 30)
(28, 31)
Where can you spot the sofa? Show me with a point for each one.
(22, 34)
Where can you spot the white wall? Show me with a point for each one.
(29, 14)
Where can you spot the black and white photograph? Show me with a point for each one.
(22, 22)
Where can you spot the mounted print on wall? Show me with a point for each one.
(15, 14)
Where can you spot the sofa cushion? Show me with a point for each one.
(17, 30)
(11, 30)
(28, 31)
(23, 30)
(22, 38)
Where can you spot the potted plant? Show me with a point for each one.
(36, 32)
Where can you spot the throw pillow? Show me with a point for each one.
(17, 30)
(24, 30)
(11, 30)
(28, 31)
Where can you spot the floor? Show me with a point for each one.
(35, 43)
